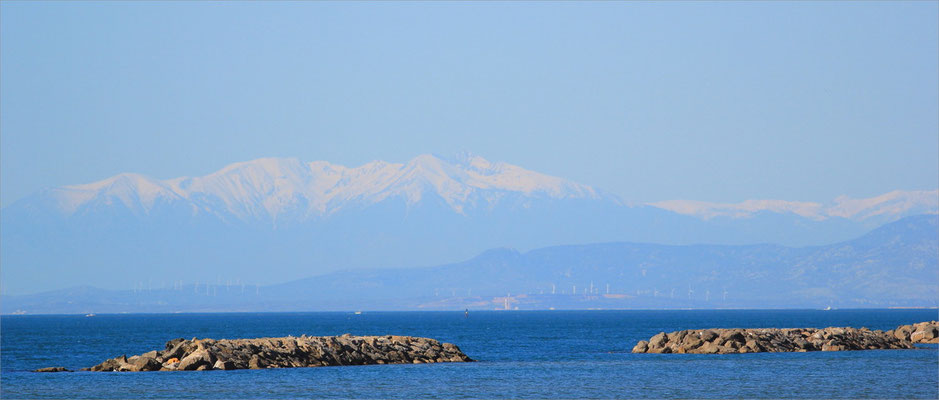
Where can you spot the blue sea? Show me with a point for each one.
(522, 354)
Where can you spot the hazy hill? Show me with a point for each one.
(895, 265)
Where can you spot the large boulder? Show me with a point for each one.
(922, 332)
(223, 365)
(144, 363)
(197, 359)
(707, 335)
(658, 340)
(113, 364)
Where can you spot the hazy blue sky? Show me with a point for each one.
(710, 101)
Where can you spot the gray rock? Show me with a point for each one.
(658, 340)
(708, 335)
(52, 369)
(144, 363)
(197, 359)
(113, 364)
(710, 348)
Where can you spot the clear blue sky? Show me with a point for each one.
(710, 101)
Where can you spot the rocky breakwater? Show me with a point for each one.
(923, 332)
(287, 352)
(729, 341)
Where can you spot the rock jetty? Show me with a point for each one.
(730, 341)
(286, 352)
(923, 332)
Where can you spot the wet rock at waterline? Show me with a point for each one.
(52, 369)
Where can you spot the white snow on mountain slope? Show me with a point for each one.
(137, 192)
(272, 187)
(708, 210)
(894, 204)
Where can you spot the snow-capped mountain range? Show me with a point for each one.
(272, 220)
(269, 188)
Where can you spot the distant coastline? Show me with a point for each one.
(456, 311)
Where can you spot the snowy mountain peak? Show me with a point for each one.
(272, 188)
(889, 206)
(136, 192)
(287, 189)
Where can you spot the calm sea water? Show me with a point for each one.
(537, 354)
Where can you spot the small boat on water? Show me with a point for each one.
(90, 315)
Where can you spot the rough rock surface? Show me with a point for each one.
(726, 341)
(923, 332)
(286, 352)
(52, 369)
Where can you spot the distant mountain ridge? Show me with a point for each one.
(896, 265)
(271, 188)
(889, 205)
(274, 220)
